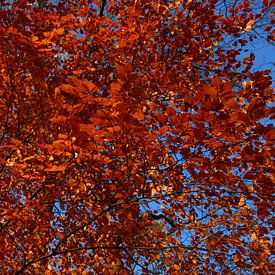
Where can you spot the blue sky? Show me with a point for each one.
(265, 57)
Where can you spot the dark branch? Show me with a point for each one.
(103, 4)
(161, 216)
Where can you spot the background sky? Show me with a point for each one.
(265, 57)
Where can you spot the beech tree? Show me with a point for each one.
(132, 138)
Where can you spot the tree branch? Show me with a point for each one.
(103, 4)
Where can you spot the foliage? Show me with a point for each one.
(132, 138)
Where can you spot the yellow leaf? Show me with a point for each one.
(28, 158)
(34, 38)
(242, 201)
(153, 191)
(249, 25)
(254, 237)
(56, 92)
(238, 258)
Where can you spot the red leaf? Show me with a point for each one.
(163, 130)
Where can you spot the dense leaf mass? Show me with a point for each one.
(135, 137)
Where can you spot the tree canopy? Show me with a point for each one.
(135, 137)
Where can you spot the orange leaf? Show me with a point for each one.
(55, 168)
(58, 119)
(59, 31)
(16, 142)
(67, 88)
(62, 136)
(88, 128)
(138, 115)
